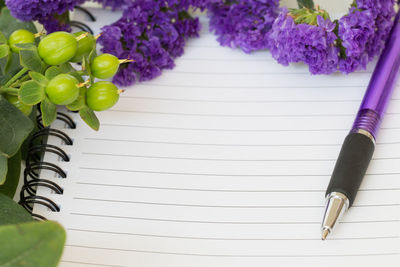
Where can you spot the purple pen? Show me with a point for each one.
(359, 145)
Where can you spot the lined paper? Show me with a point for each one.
(224, 161)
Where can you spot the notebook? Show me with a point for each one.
(224, 161)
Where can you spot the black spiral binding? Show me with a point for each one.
(37, 146)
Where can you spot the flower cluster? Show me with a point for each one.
(363, 31)
(243, 23)
(44, 11)
(312, 44)
(152, 34)
(346, 45)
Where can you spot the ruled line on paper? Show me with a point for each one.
(221, 159)
(235, 130)
(154, 85)
(124, 96)
(226, 222)
(230, 239)
(228, 190)
(228, 206)
(238, 255)
(227, 175)
(234, 145)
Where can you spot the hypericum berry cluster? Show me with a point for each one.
(151, 33)
(347, 44)
(53, 81)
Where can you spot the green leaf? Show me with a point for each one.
(15, 128)
(3, 39)
(31, 93)
(305, 3)
(66, 67)
(80, 102)
(5, 57)
(78, 75)
(90, 118)
(11, 212)
(3, 169)
(39, 78)
(29, 57)
(13, 175)
(25, 144)
(4, 50)
(49, 111)
(52, 72)
(32, 244)
(8, 24)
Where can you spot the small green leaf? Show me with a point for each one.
(80, 102)
(5, 57)
(49, 111)
(3, 169)
(29, 57)
(13, 175)
(4, 50)
(15, 128)
(11, 212)
(90, 118)
(32, 244)
(39, 78)
(305, 3)
(66, 67)
(52, 72)
(78, 75)
(31, 93)
(3, 39)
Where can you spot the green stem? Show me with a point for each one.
(20, 81)
(9, 91)
(16, 76)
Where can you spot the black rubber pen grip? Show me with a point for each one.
(350, 168)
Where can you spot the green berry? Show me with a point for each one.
(105, 66)
(58, 48)
(85, 45)
(63, 89)
(26, 109)
(102, 95)
(20, 37)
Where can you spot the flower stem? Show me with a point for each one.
(16, 76)
(9, 91)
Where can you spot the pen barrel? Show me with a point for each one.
(351, 165)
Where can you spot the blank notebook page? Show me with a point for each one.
(224, 161)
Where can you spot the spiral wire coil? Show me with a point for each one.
(37, 146)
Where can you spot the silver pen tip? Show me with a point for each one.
(325, 232)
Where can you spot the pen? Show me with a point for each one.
(359, 145)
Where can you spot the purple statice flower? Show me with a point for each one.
(356, 30)
(363, 33)
(313, 44)
(44, 11)
(152, 34)
(243, 23)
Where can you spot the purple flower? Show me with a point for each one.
(151, 33)
(243, 23)
(363, 33)
(313, 44)
(44, 11)
(355, 29)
